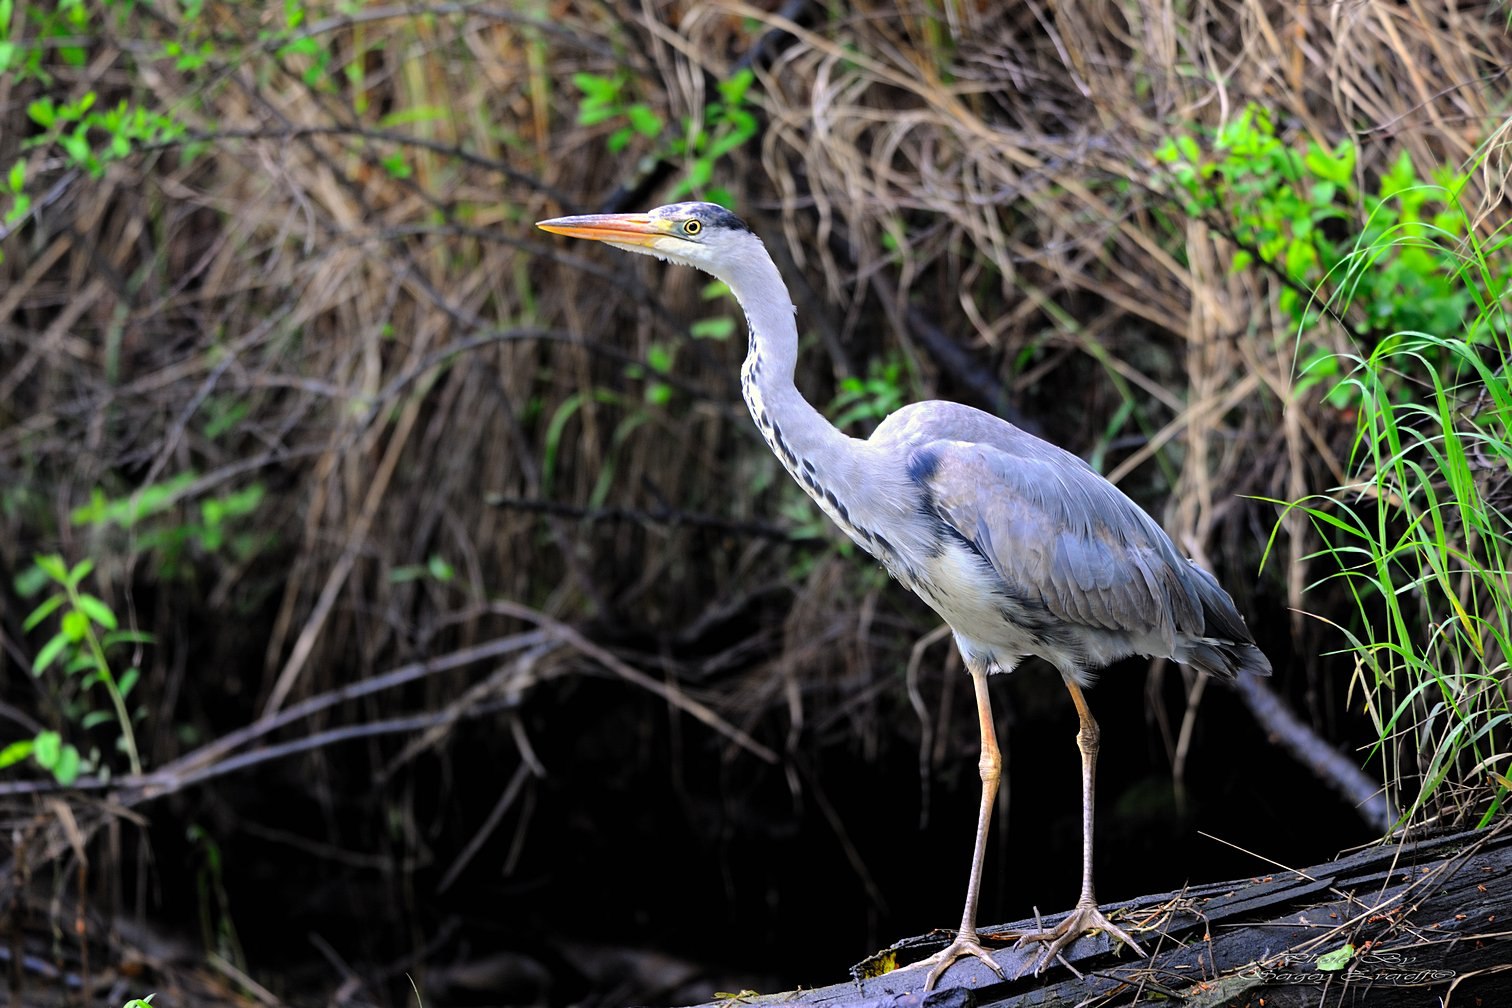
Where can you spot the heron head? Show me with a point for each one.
(703, 235)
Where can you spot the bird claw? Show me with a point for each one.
(965, 945)
(1084, 919)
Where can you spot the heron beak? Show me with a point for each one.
(621, 229)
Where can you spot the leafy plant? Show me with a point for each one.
(82, 133)
(872, 398)
(605, 100)
(726, 124)
(50, 752)
(1421, 539)
(715, 327)
(217, 928)
(87, 630)
(55, 26)
(436, 568)
(86, 138)
(1423, 542)
(216, 524)
(1294, 209)
(1419, 535)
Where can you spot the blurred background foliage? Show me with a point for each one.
(381, 566)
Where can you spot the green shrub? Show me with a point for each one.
(1418, 535)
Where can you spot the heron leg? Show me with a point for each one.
(991, 767)
(1086, 916)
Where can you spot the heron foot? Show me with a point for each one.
(965, 945)
(1084, 919)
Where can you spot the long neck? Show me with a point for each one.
(822, 459)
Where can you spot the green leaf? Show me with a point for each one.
(53, 566)
(1337, 959)
(1400, 177)
(597, 88)
(397, 166)
(644, 121)
(42, 112)
(96, 718)
(591, 114)
(1330, 169)
(700, 172)
(16, 752)
(412, 114)
(42, 611)
(212, 536)
(720, 327)
(20, 207)
(75, 624)
(80, 571)
(733, 91)
(76, 146)
(31, 581)
(440, 569)
(76, 109)
(97, 611)
(48, 745)
(66, 769)
(244, 502)
(17, 176)
(128, 680)
(49, 653)
(723, 144)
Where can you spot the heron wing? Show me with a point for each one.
(1058, 533)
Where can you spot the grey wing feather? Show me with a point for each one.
(1052, 528)
(1066, 541)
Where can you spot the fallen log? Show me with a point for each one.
(1403, 923)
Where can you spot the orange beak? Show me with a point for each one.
(621, 229)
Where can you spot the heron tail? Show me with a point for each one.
(1226, 647)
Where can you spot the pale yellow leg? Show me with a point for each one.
(991, 766)
(1086, 917)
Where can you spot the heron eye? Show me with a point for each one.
(692, 227)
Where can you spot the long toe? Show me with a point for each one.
(1082, 920)
(963, 947)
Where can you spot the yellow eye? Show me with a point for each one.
(692, 227)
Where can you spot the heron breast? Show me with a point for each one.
(968, 594)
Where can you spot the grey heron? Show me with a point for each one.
(1020, 546)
